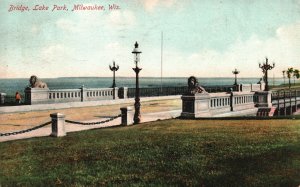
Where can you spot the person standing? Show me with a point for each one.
(18, 98)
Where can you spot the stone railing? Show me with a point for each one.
(242, 100)
(219, 102)
(212, 104)
(251, 87)
(46, 96)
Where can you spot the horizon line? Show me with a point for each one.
(270, 78)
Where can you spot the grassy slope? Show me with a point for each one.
(182, 152)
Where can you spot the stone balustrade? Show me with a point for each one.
(242, 101)
(66, 95)
(46, 96)
(219, 102)
(212, 104)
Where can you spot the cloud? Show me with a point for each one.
(66, 25)
(54, 53)
(283, 49)
(86, 21)
(121, 18)
(35, 29)
(150, 5)
(290, 34)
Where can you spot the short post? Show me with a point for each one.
(127, 116)
(2, 98)
(58, 125)
(278, 103)
(231, 100)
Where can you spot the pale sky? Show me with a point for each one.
(204, 38)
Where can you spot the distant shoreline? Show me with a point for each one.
(144, 77)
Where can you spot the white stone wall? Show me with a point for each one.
(46, 96)
(213, 104)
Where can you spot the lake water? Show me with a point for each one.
(10, 86)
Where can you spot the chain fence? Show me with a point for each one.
(93, 123)
(24, 131)
(50, 122)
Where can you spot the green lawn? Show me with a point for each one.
(285, 86)
(171, 152)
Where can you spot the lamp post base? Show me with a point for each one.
(137, 113)
(137, 118)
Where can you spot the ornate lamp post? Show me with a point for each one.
(137, 105)
(114, 68)
(235, 72)
(265, 68)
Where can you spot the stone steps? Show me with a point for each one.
(266, 111)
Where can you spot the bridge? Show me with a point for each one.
(247, 101)
(286, 101)
(233, 100)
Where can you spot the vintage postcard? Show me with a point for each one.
(149, 93)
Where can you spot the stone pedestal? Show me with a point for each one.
(2, 98)
(196, 105)
(127, 116)
(36, 95)
(262, 86)
(58, 125)
(264, 99)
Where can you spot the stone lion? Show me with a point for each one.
(36, 83)
(193, 86)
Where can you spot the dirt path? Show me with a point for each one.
(25, 120)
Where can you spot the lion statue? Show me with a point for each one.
(193, 86)
(36, 83)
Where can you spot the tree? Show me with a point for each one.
(289, 73)
(296, 74)
(283, 74)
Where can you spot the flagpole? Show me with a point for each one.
(161, 61)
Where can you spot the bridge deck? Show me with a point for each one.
(286, 102)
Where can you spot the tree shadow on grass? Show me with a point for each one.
(279, 167)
